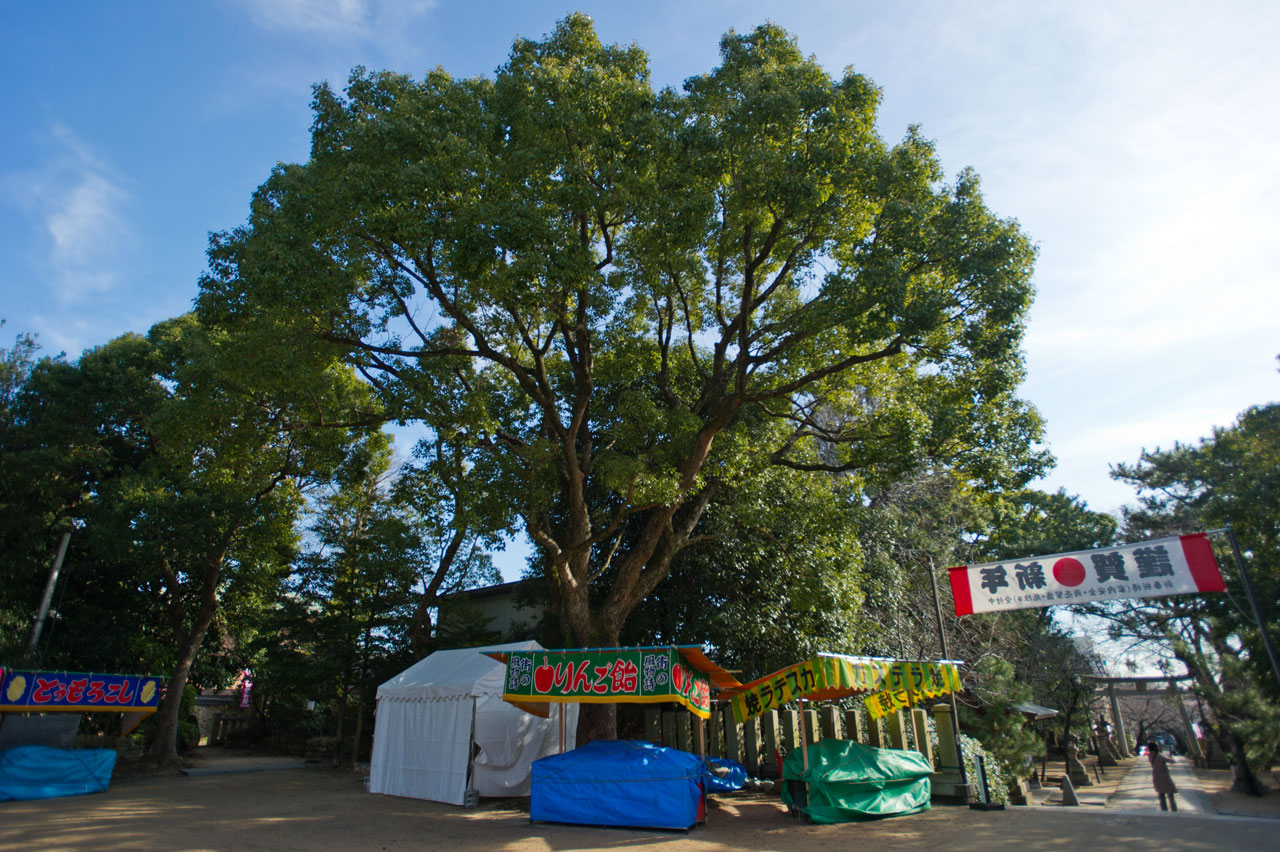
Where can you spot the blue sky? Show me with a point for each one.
(1135, 142)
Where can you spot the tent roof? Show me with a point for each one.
(456, 673)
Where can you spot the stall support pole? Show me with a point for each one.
(942, 640)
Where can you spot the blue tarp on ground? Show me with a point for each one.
(724, 775)
(622, 783)
(40, 772)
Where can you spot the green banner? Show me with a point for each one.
(607, 676)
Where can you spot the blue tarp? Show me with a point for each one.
(622, 783)
(40, 772)
(724, 775)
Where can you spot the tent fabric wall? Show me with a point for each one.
(509, 743)
(420, 749)
(423, 729)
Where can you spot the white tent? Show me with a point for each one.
(430, 714)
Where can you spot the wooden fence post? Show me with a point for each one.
(853, 726)
(829, 715)
(653, 724)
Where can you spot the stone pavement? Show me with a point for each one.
(1135, 793)
(1127, 789)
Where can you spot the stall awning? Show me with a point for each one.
(679, 673)
(889, 683)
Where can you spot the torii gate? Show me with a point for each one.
(1140, 690)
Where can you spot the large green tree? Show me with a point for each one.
(70, 428)
(607, 287)
(184, 468)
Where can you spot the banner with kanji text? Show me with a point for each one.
(908, 684)
(1147, 569)
(831, 676)
(606, 675)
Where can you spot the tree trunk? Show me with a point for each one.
(164, 748)
(1244, 780)
(355, 744)
(337, 734)
(597, 721)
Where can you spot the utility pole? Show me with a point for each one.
(48, 594)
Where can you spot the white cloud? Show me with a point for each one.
(79, 205)
(337, 19)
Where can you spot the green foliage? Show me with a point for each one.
(998, 773)
(182, 476)
(605, 291)
(1028, 522)
(996, 722)
(777, 577)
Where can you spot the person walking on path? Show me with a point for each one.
(1160, 777)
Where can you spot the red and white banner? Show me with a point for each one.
(1148, 569)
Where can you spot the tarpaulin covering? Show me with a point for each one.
(40, 772)
(622, 783)
(850, 782)
(724, 775)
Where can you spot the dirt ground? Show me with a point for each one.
(233, 809)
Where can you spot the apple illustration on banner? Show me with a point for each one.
(544, 676)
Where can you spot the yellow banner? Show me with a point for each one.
(829, 677)
(777, 689)
(910, 683)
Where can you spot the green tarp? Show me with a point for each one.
(849, 782)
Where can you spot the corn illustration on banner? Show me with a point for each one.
(37, 691)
